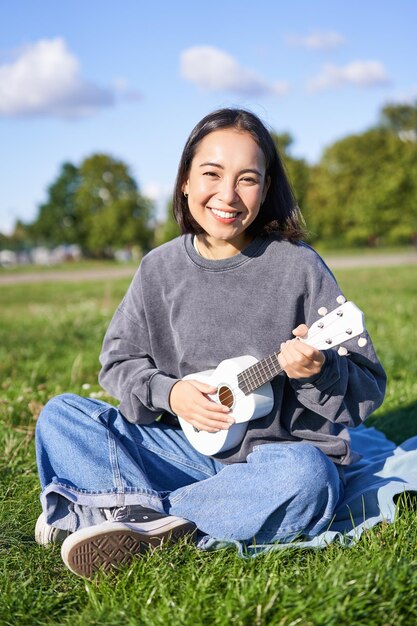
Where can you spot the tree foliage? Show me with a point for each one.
(168, 229)
(109, 207)
(364, 191)
(297, 170)
(97, 205)
(57, 221)
(399, 117)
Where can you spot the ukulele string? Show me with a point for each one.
(232, 392)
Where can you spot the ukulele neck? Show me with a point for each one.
(258, 374)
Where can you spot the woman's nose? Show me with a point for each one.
(228, 191)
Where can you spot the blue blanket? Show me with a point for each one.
(372, 483)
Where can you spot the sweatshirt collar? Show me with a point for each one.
(254, 249)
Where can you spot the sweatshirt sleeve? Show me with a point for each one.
(349, 388)
(128, 371)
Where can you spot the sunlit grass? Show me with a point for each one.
(50, 338)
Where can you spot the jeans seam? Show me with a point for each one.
(184, 492)
(125, 490)
(114, 464)
(117, 479)
(102, 408)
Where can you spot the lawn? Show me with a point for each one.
(50, 337)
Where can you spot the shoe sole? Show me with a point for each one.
(46, 535)
(94, 549)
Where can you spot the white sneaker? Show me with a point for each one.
(45, 534)
(114, 543)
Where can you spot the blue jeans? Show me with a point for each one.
(91, 460)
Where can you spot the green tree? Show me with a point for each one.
(19, 239)
(57, 220)
(97, 205)
(364, 191)
(168, 229)
(399, 117)
(298, 170)
(111, 211)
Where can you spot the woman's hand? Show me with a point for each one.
(188, 399)
(298, 359)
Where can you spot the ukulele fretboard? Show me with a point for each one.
(258, 374)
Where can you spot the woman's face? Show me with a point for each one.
(226, 186)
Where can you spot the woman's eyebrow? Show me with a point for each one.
(244, 171)
(251, 170)
(211, 164)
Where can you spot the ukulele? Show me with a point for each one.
(242, 383)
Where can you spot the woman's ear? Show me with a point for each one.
(184, 188)
(266, 187)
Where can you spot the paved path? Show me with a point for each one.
(345, 262)
(54, 276)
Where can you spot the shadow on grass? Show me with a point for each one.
(397, 425)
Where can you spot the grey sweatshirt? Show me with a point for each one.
(183, 314)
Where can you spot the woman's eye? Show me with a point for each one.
(210, 174)
(249, 180)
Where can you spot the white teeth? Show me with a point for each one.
(225, 214)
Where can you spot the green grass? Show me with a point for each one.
(328, 251)
(50, 337)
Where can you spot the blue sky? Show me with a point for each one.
(132, 78)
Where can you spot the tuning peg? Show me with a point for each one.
(342, 351)
(340, 299)
(362, 342)
(322, 311)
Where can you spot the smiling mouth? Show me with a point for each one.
(227, 215)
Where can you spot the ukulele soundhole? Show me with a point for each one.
(225, 396)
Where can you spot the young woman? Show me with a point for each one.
(238, 281)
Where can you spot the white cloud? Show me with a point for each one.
(317, 41)
(358, 73)
(212, 69)
(44, 80)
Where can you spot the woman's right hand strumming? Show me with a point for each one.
(189, 400)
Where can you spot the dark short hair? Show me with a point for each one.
(279, 212)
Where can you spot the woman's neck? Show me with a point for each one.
(217, 249)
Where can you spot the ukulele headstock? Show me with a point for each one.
(334, 328)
